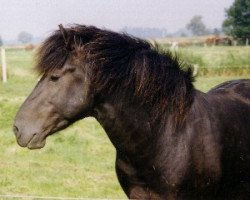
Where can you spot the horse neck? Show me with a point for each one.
(128, 126)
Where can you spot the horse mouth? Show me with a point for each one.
(36, 142)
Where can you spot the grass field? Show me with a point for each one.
(79, 161)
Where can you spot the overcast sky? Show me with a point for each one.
(41, 17)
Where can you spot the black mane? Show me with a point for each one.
(122, 64)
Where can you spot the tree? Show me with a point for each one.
(24, 37)
(196, 26)
(237, 23)
(216, 32)
(1, 41)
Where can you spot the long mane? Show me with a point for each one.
(122, 65)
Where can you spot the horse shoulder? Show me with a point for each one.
(205, 147)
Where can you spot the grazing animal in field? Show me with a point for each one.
(172, 141)
(216, 40)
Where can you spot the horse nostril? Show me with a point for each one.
(16, 131)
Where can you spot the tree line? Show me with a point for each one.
(23, 37)
(236, 24)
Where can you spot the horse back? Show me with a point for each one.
(231, 105)
(237, 88)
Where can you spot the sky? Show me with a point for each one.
(41, 17)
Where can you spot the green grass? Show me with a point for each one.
(219, 60)
(221, 56)
(78, 161)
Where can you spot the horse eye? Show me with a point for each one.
(54, 78)
(71, 69)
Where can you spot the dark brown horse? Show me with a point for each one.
(172, 141)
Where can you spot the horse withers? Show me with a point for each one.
(172, 141)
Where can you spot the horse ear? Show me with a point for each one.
(66, 38)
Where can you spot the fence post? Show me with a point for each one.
(195, 69)
(4, 68)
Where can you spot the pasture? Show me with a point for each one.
(79, 161)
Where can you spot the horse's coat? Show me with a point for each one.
(172, 141)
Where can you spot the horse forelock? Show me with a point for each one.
(56, 49)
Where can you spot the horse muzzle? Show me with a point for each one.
(32, 140)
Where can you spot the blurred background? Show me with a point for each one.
(212, 36)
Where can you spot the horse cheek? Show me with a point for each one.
(73, 103)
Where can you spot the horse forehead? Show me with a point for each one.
(62, 69)
(66, 65)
